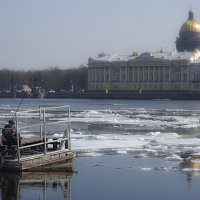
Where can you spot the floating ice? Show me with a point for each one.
(125, 129)
(174, 157)
(121, 152)
(146, 168)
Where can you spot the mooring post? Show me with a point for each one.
(44, 130)
(40, 118)
(69, 131)
(18, 137)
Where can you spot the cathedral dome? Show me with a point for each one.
(190, 26)
(189, 35)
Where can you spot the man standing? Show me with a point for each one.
(9, 134)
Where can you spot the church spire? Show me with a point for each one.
(190, 15)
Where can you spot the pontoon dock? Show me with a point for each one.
(45, 143)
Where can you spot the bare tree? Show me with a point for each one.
(51, 78)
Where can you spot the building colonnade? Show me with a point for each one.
(116, 77)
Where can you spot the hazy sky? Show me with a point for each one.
(37, 34)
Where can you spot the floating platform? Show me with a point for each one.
(49, 146)
(55, 161)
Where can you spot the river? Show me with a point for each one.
(125, 149)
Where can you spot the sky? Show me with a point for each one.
(38, 34)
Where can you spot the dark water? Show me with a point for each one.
(106, 176)
(88, 104)
(125, 177)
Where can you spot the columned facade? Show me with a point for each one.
(146, 73)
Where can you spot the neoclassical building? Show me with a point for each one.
(178, 70)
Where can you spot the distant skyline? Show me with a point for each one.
(39, 34)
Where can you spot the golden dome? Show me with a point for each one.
(190, 25)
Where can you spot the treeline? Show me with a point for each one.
(50, 79)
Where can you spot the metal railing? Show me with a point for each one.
(43, 121)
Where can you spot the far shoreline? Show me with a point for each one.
(154, 95)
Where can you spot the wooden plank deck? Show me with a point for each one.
(55, 161)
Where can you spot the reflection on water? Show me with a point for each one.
(9, 184)
(191, 169)
(35, 185)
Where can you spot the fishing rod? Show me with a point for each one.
(19, 103)
(18, 107)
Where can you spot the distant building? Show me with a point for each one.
(162, 71)
(37, 92)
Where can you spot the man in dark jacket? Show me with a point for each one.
(9, 134)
